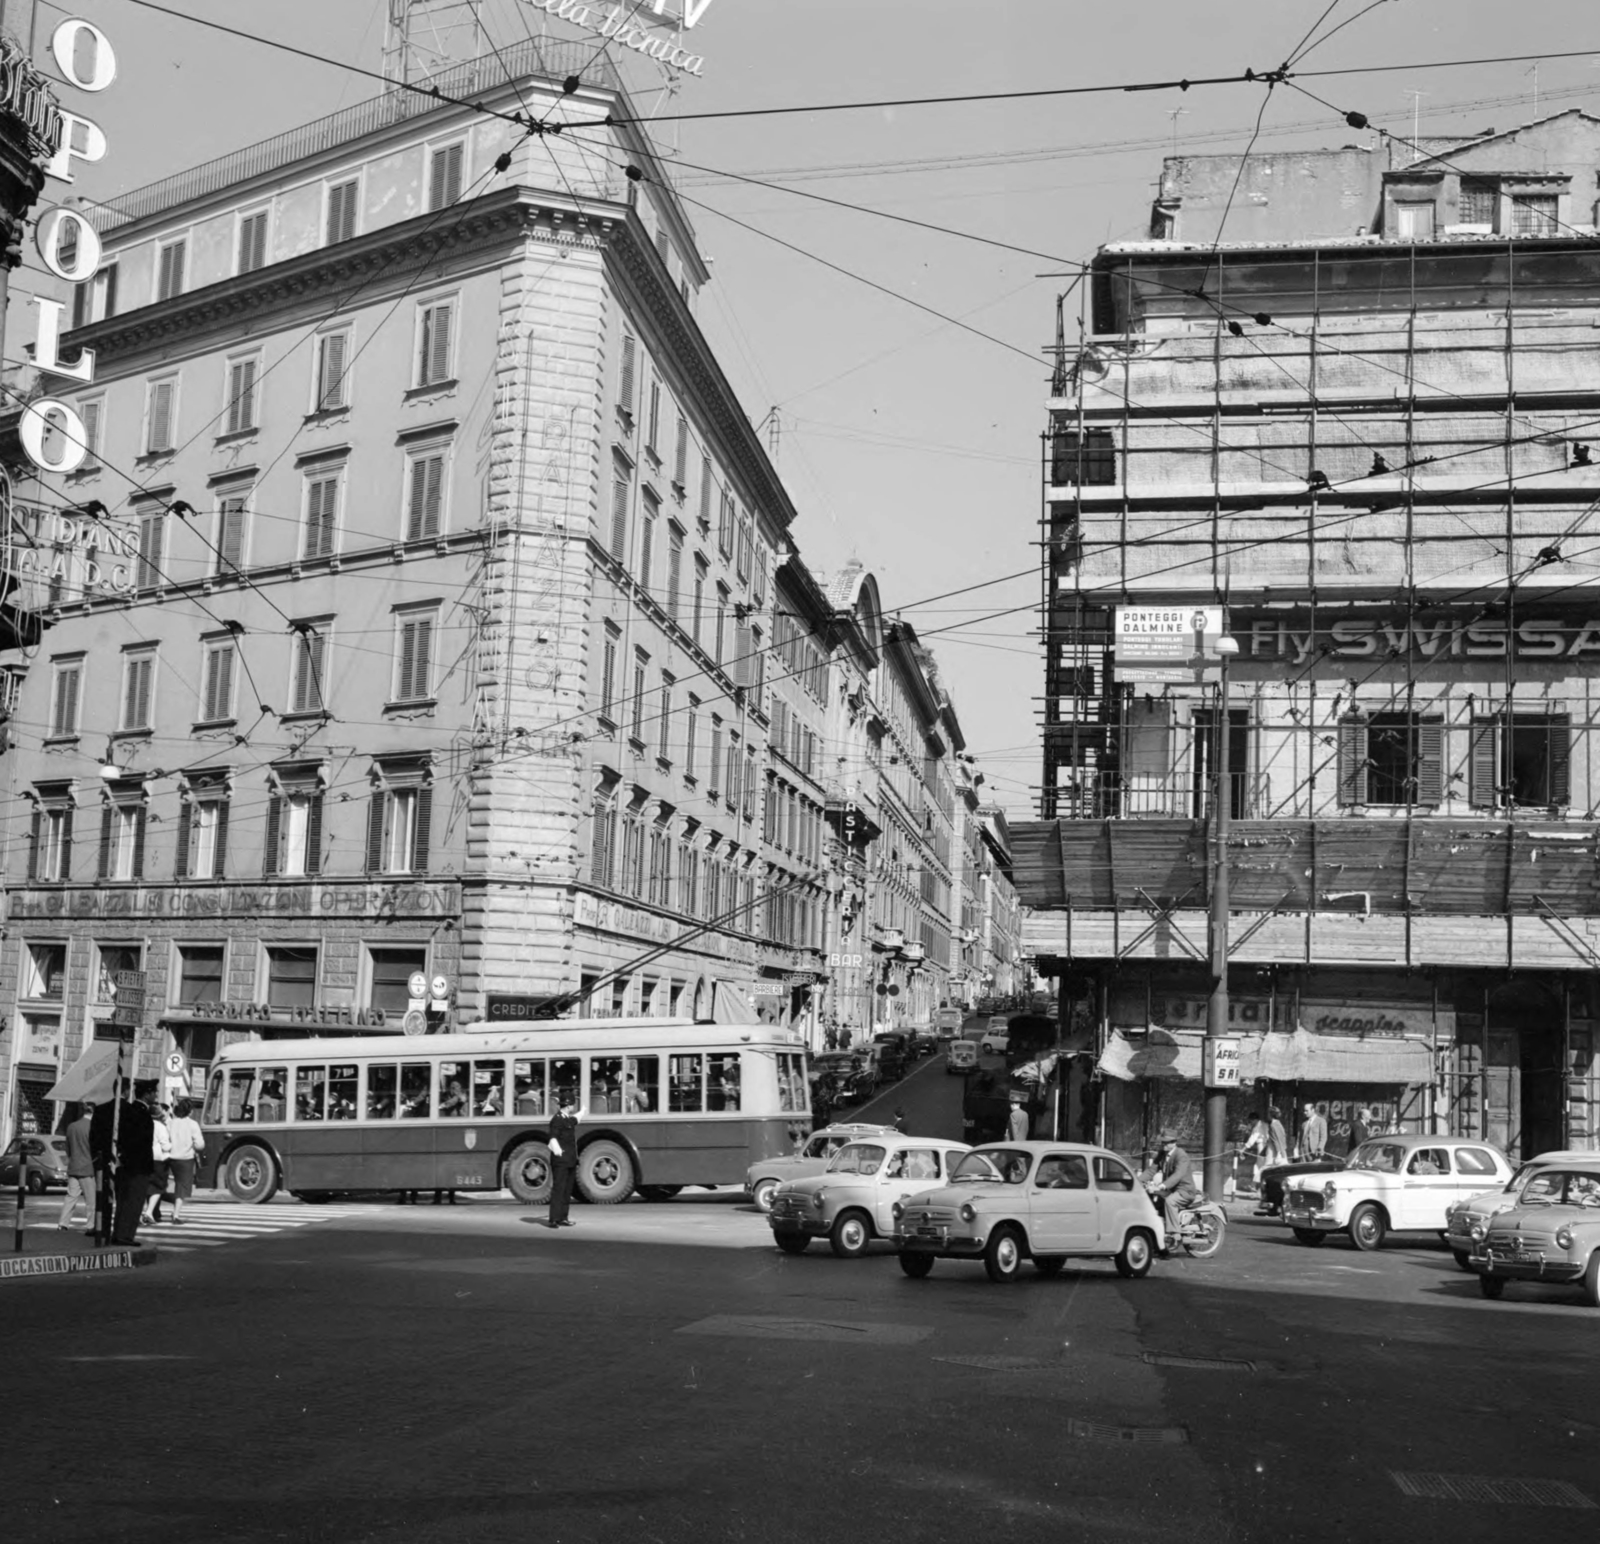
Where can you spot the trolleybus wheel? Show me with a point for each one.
(605, 1173)
(252, 1174)
(527, 1173)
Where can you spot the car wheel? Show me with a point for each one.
(1310, 1237)
(1002, 1255)
(1462, 1258)
(1367, 1227)
(252, 1174)
(1134, 1258)
(915, 1263)
(1492, 1286)
(792, 1243)
(1591, 1280)
(763, 1192)
(605, 1173)
(659, 1192)
(1049, 1264)
(35, 1183)
(528, 1173)
(850, 1235)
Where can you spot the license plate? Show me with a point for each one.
(933, 1233)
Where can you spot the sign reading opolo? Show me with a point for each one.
(51, 431)
(1167, 643)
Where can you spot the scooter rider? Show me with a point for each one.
(1175, 1187)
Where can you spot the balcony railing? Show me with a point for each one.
(1108, 795)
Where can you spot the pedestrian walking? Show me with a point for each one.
(832, 1038)
(1279, 1150)
(900, 1119)
(564, 1162)
(1313, 1135)
(80, 1169)
(122, 1143)
(1360, 1127)
(161, 1154)
(844, 1038)
(188, 1143)
(1017, 1121)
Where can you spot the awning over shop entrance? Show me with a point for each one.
(1298, 1056)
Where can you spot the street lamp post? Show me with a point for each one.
(1216, 1123)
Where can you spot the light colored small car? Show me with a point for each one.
(763, 1178)
(852, 1201)
(961, 1056)
(1049, 1201)
(1551, 1235)
(47, 1163)
(1392, 1184)
(1476, 1210)
(995, 1041)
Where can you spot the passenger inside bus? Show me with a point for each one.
(453, 1098)
(271, 1104)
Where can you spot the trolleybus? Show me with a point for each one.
(663, 1103)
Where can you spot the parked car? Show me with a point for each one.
(923, 1039)
(1551, 1235)
(1394, 1183)
(1045, 1201)
(1275, 1180)
(763, 1178)
(1475, 1211)
(851, 1202)
(893, 1052)
(961, 1056)
(47, 1163)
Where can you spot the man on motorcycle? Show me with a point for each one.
(1174, 1188)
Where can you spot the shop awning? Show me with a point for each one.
(1297, 1057)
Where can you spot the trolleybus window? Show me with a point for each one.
(383, 1081)
(723, 1083)
(685, 1076)
(342, 1092)
(453, 1077)
(792, 1094)
(270, 1101)
(415, 1078)
(527, 1084)
(641, 1085)
(564, 1079)
(488, 1088)
(310, 1093)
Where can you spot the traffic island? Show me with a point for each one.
(47, 1251)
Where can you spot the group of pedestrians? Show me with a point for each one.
(133, 1156)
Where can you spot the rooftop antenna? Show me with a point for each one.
(1175, 114)
(1416, 122)
(1535, 73)
(422, 37)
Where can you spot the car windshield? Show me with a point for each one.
(1379, 1157)
(1561, 1187)
(857, 1158)
(1005, 1166)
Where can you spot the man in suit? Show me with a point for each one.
(1175, 1186)
(130, 1161)
(1313, 1135)
(564, 1162)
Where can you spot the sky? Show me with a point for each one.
(908, 442)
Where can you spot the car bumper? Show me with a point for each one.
(811, 1226)
(1527, 1267)
(939, 1241)
(1317, 1222)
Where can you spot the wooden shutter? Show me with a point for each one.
(330, 373)
(422, 831)
(1430, 763)
(66, 844)
(680, 459)
(1482, 768)
(322, 505)
(106, 817)
(1353, 761)
(138, 842)
(252, 242)
(230, 536)
(89, 412)
(35, 833)
(444, 184)
(180, 867)
(313, 863)
(427, 486)
(241, 396)
(160, 417)
(271, 859)
(619, 517)
(219, 845)
(342, 212)
(1559, 753)
(630, 349)
(375, 813)
(434, 364)
(647, 549)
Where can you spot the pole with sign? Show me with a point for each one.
(1214, 1164)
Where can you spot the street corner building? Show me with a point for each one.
(1349, 412)
(452, 626)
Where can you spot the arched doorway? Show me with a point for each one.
(1523, 1078)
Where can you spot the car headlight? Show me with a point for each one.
(818, 1199)
(1563, 1238)
(968, 1212)
(898, 1210)
(1329, 1191)
(1479, 1232)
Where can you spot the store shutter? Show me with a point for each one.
(1430, 763)
(1482, 760)
(1353, 761)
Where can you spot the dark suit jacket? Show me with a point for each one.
(136, 1137)
(564, 1128)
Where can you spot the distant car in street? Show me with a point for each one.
(995, 1041)
(1551, 1236)
(1007, 1202)
(1393, 1183)
(764, 1177)
(851, 1202)
(923, 1039)
(948, 1022)
(47, 1163)
(1474, 1211)
(961, 1056)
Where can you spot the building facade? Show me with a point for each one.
(1364, 430)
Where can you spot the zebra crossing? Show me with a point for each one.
(208, 1224)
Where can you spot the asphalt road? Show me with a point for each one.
(660, 1372)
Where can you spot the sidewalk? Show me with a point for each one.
(50, 1251)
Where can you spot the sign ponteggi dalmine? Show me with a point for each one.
(51, 431)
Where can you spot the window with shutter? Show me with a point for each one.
(602, 839)
(725, 523)
(217, 692)
(241, 395)
(231, 516)
(691, 737)
(641, 672)
(625, 373)
(647, 546)
(64, 698)
(426, 499)
(664, 719)
(169, 279)
(332, 351)
(159, 416)
(608, 671)
(434, 343)
(342, 211)
(1535, 759)
(705, 493)
(138, 677)
(322, 515)
(653, 432)
(414, 658)
(674, 571)
(680, 458)
(92, 415)
(152, 542)
(253, 241)
(444, 176)
(308, 688)
(1353, 761)
(620, 489)
(1430, 762)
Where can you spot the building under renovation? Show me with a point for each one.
(1354, 405)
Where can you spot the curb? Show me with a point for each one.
(120, 1258)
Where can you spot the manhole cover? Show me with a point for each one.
(755, 1327)
(1197, 1363)
(1467, 1487)
(1002, 1363)
(1094, 1431)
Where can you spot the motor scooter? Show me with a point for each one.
(1202, 1226)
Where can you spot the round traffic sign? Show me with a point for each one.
(175, 1063)
(414, 1023)
(417, 984)
(441, 986)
